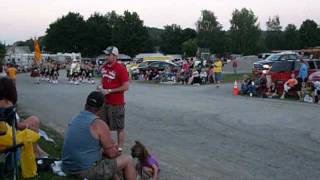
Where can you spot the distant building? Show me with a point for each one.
(23, 57)
(19, 55)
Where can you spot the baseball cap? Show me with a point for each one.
(95, 99)
(111, 50)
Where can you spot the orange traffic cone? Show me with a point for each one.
(235, 88)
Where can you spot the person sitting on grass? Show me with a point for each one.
(261, 85)
(248, 86)
(244, 84)
(88, 149)
(8, 98)
(290, 84)
(252, 88)
(272, 90)
(204, 76)
(194, 79)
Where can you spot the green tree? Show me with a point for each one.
(171, 39)
(189, 33)
(98, 35)
(189, 48)
(210, 34)
(291, 37)
(66, 34)
(273, 24)
(309, 34)
(2, 52)
(130, 34)
(274, 35)
(155, 37)
(245, 31)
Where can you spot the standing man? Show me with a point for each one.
(235, 65)
(302, 78)
(114, 83)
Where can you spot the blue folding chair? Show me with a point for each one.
(10, 154)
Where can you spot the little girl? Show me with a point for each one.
(148, 164)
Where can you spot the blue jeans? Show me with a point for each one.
(251, 89)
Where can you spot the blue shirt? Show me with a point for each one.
(303, 72)
(80, 149)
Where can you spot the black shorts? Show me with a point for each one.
(75, 74)
(300, 82)
(114, 116)
(83, 73)
(52, 73)
(89, 74)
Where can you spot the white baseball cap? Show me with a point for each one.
(111, 50)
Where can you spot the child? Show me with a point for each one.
(272, 90)
(203, 76)
(148, 165)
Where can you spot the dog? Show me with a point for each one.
(147, 165)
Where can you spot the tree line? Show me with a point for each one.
(72, 33)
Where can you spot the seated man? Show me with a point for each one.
(261, 85)
(244, 84)
(290, 84)
(88, 150)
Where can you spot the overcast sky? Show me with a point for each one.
(23, 19)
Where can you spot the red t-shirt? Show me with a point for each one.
(113, 77)
(185, 67)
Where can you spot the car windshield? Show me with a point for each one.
(146, 63)
(274, 57)
(284, 66)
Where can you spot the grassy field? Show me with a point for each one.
(230, 78)
(53, 149)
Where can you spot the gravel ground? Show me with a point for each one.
(200, 132)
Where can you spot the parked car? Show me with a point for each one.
(264, 56)
(281, 71)
(266, 64)
(315, 76)
(158, 66)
